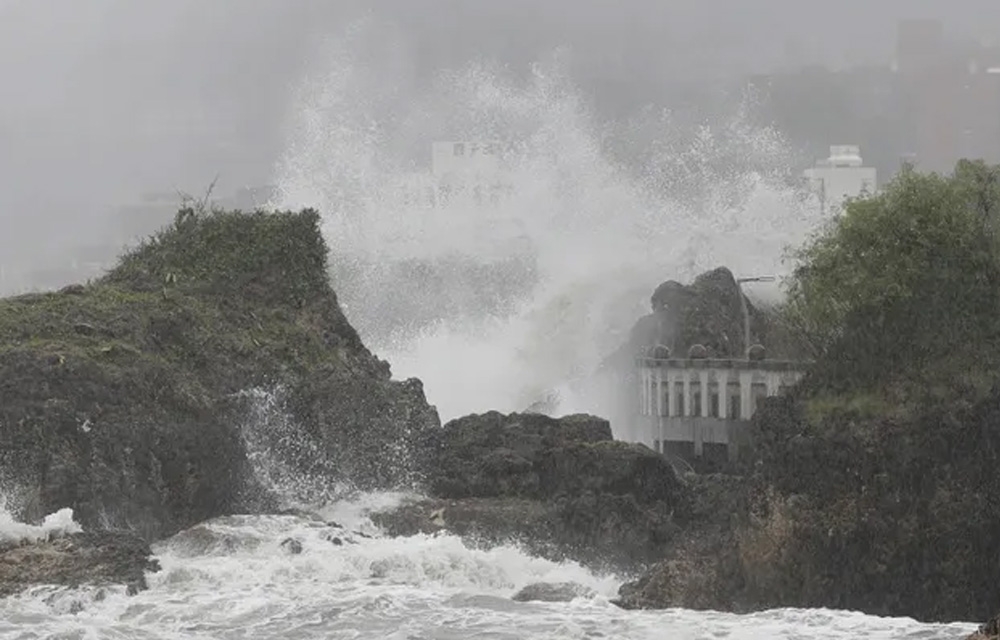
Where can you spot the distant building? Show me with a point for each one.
(841, 176)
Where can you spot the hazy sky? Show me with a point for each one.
(105, 99)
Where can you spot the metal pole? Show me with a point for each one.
(746, 325)
(746, 311)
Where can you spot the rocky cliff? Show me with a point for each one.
(562, 487)
(849, 504)
(122, 398)
(864, 497)
(709, 312)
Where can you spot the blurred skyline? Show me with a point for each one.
(107, 99)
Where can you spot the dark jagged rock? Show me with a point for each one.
(552, 592)
(700, 568)
(708, 312)
(891, 512)
(493, 455)
(847, 507)
(561, 487)
(124, 399)
(706, 315)
(988, 631)
(291, 546)
(99, 559)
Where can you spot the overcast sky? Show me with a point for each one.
(105, 99)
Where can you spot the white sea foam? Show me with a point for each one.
(55, 524)
(600, 233)
(245, 585)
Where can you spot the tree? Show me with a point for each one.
(905, 279)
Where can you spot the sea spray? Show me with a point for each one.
(600, 235)
(288, 468)
(55, 524)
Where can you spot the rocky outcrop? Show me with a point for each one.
(125, 399)
(98, 559)
(708, 312)
(988, 631)
(560, 487)
(552, 592)
(847, 508)
(856, 508)
(700, 569)
(707, 315)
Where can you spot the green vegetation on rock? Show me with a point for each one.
(901, 288)
(875, 486)
(120, 398)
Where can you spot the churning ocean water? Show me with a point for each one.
(235, 579)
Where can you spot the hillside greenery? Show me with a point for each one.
(124, 397)
(900, 292)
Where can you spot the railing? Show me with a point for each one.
(722, 363)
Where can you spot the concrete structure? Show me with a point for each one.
(841, 176)
(702, 407)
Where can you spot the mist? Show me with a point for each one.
(107, 100)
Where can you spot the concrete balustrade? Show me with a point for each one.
(704, 401)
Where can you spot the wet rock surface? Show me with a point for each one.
(99, 559)
(988, 631)
(560, 487)
(552, 592)
(700, 569)
(129, 399)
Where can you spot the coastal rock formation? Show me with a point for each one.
(561, 487)
(856, 508)
(988, 631)
(98, 559)
(125, 398)
(551, 592)
(708, 312)
(700, 568)
(846, 508)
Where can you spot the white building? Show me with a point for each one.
(686, 406)
(841, 176)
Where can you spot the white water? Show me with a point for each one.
(601, 236)
(238, 582)
(232, 577)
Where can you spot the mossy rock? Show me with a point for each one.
(117, 398)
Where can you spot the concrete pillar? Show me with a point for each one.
(746, 382)
(723, 379)
(659, 391)
(642, 391)
(772, 381)
(687, 394)
(671, 409)
(703, 379)
(697, 434)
